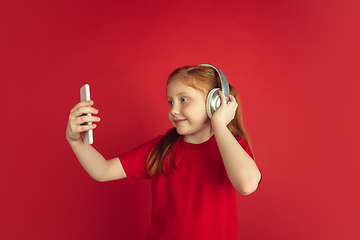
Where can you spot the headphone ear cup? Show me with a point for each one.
(213, 101)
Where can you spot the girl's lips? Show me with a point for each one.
(179, 121)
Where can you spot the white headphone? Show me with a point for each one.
(213, 100)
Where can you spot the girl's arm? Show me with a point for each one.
(91, 160)
(241, 169)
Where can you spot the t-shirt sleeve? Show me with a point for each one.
(134, 161)
(245, 146)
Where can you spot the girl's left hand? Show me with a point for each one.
(225, 113)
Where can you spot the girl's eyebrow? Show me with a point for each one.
(182, 93)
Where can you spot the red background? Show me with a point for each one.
(294, 64)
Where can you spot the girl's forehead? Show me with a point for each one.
(178, 86)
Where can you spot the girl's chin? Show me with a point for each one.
(180, 132)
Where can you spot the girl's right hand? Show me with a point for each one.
(77, 117)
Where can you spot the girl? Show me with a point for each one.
(195, 169)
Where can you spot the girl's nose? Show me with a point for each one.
(175, 109)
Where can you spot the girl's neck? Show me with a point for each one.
(197, 139)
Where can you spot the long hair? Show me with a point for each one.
(202, 79)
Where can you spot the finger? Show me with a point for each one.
(83, 110)
(222, 97)
(86, 119)
(78, 128)
(86, 103)
(82, 104)
(84, 128)
(88, 110)
(232, 100)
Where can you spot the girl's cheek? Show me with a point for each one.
(184, 107)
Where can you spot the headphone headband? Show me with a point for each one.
(223, 79)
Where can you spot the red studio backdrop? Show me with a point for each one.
(294, 64)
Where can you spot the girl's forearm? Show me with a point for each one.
(91, 160)
(240, 167)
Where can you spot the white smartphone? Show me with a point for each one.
(85, 96)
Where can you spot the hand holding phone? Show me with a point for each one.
(85, 96)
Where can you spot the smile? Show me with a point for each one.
(179, 121)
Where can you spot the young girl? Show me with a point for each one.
(195, 169)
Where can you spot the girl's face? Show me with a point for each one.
(187, 112)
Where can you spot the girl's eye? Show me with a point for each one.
(170, 102)
(184, 99)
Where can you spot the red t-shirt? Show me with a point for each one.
(194, 201)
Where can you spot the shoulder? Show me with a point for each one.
(143, 148)
(150, 143)
(245, 145)
(157, 139)
(160, 139)
(241, 140)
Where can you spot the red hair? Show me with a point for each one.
(202, 79)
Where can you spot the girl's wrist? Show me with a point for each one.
(218, 128)
(75, 142)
